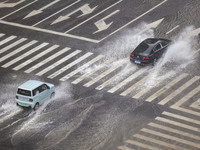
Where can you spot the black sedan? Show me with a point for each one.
(149, 51)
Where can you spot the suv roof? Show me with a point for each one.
(30, 85)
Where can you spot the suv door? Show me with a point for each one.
(44, 92)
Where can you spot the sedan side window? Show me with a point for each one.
(158, 47)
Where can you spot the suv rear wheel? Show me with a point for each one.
(36, 106)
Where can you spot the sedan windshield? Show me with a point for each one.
(24, 92)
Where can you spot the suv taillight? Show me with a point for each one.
(30, 100)
(16, 97)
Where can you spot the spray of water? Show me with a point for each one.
(179, 55)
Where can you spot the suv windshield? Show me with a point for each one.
(24, 92)
(143, 48)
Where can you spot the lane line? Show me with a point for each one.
(19, 9)
(142, 145)
(136, 85)
(1, 35)
(102, 75)
(181, 117)
(113, 79)
(147, 88)
(127, 80)
(148, 139)
(54, 65)
(18, 50)
(165, 88)
(133, 20)
(168, 129)
(24, 55)
(94, 16)
(179, 90)
(171, 137)
(53, 56)
(182, 125)
(187, 97)
(125, 148)
(7, 40)
(81, 68)
(56, 13)
(173, 29)
(70, 65)
(36, 57)
(93, 71)
(12, 45)
(48, 31)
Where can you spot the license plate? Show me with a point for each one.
(23, 104)
(137, 62)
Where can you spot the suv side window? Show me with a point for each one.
(36, 91)
(158, 47)
(43, 87)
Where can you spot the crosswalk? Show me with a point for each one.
(44, 59)
(169, 131)
(178, 90)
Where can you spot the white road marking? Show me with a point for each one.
(142, 145)
(188, 96)
(24, 55)
(127, 80)
(93, 71)
(36, 57)
(158, 142)
(19, 9)
(81, 68)
(85, 9)
(165, 88)
(196, 104)
(70, 65)
(136, 85)
(48, 31)
(39, 11)
(57, 12)
(196, 113)
(9, 5)
(172, 29)
(12, 45)
(94, 16)
(166, 136)
(134, 20)
(182, 125)
(103, 75)
(18, 50)
(179, 90)
(197, 51)
(2, 34)
(111, 80)
(7, 39)
(47, 60)
(101, 25)
(125, 148)
(181, 117)
(168, 129)
(147, 88)
(195, 32)
(54, 65)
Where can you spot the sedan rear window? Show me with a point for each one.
(24, 92)
(143, 48)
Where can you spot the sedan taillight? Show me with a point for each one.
(132, 55)
(145, 57)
